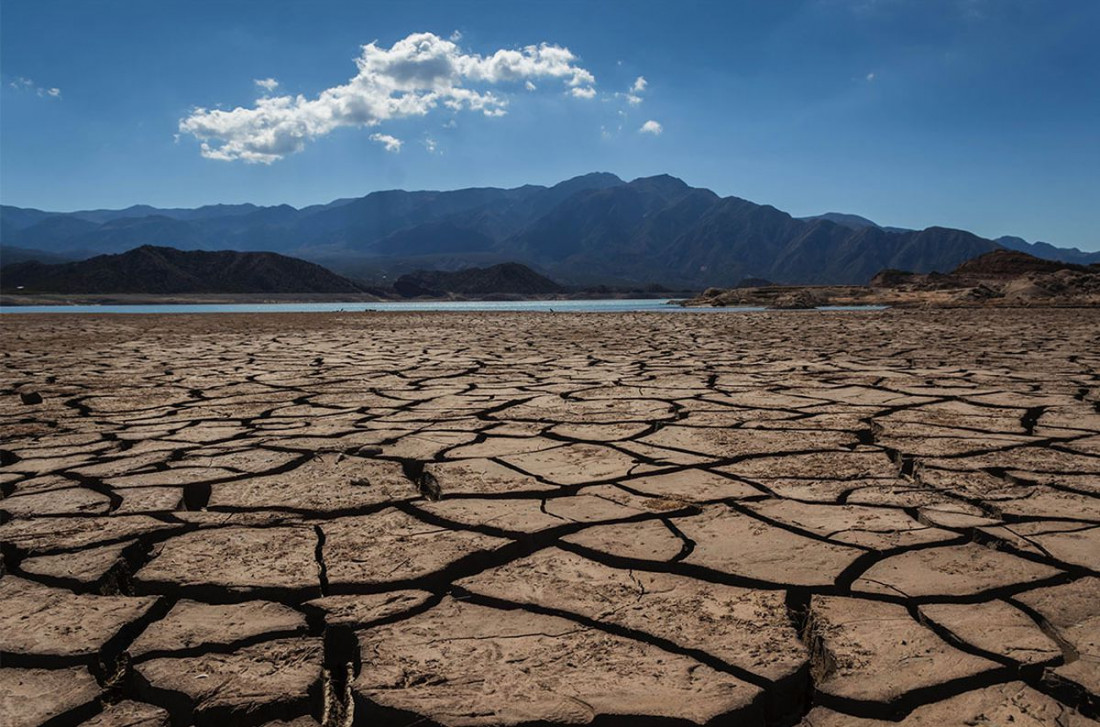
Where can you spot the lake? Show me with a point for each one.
(657, 305)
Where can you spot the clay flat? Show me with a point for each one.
(774, 519)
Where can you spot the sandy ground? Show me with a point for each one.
(519, 519)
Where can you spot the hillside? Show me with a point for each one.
(1010, 264)
(593, 229)
(166, 271)
(503, 279)
(1043, 250)
(1001, 278)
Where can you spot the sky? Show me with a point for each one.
(977, 114)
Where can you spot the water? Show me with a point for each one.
(658, 305)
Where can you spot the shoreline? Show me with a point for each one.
(10, 300)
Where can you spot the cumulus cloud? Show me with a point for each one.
(392, 143)
(411, 78)
(26, 84)
(633, 95)
(267, 84)
(651, 127)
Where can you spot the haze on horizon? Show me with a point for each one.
(975, 114)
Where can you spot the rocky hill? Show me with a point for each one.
(166, 271)
(1001, 278)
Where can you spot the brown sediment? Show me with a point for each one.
(520, 518)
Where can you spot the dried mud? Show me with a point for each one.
(526, 519)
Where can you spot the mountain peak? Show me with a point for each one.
(844, 219)
(663, 182)
(595, 178)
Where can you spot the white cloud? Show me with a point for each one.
(267, 84)
(430, 144)
(456, 36)
(871, 76)
(414, 76)
(392, 143)
(634, 95)
(26, 84)
(651, 127)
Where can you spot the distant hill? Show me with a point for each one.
(504, 279)
(595, 229)
(164, 271)
(1011, 264)
(10, 255)
(843, 219)
(1049, 252)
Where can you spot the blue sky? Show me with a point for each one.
(979, 114)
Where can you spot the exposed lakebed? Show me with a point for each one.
(658, 305)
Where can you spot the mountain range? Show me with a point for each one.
(1042, 250)
(593, 229)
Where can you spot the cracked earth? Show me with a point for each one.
(518, 519)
